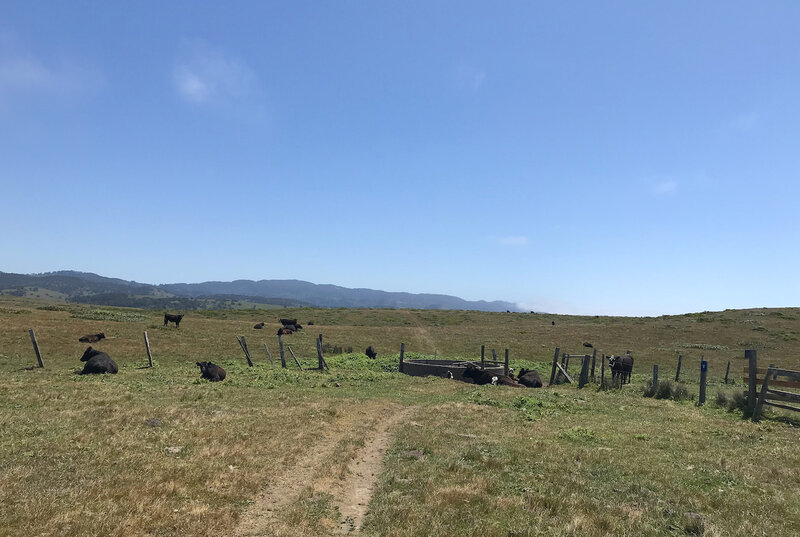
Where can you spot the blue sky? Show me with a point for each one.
(605, 158)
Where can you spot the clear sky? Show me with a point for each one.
(574, 157)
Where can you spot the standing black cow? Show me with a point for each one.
(97, 363)
(169, 318)
(371, 352)
(621, 367)
(285, 322)
(211, 371)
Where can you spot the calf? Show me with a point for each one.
(530, 378)
(259, 326)
(211, 371)
(97, 363)
(480, 376)
(371, 352)
(169, 318)
(92, 338)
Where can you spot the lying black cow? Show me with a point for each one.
(97, 363)
(529, 378)
(169, 318)
(285, 331)
(285, 322)
(92, 338)
(621, 367)
(211, 371)
(371, 352)
(259, 326)
(480, 376)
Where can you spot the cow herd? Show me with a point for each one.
(98, 362)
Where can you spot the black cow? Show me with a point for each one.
(211, 371)
(310, 323)
(285, 331)
(480, 376)
(92, 338)
(530, 378)
(587, 344)
(258, 326)
(621, 367)
(371, 352)
(169, 318)
(97, 363)
(285, 322)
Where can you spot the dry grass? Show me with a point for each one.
(78, 456)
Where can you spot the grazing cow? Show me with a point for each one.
(285, 331)
(285, 322)
(258, 326)
(169, 318)
(211, 371)
(621, 367)
(97, 363)
(480, 376)
(92, 338)
(371, 352)
(529, 378)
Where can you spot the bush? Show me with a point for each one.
(737, 401)
(721, 400)
(680, 393)
(664, 390)
(649, 389)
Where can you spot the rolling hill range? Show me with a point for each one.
(84, 287)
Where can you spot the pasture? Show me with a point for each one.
(365, 450)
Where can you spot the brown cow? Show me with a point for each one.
(92, 338)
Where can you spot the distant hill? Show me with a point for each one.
(85, 287)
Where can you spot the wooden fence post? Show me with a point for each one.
(584, 378)
(483, 356)
(319, 353)
(147, 346)
(506, 365)
(494, 356)
(555, 361)
(678, 372)
(594, 358)
(566, 365)
(703, 376)
(763, 395)
(243, 343)
(36, 348)
(655, 379)
(280, 349)
(402, 355)
(752, 371)
(727, 370)
(603, 371)
(269, 355)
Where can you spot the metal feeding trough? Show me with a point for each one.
(440, 368)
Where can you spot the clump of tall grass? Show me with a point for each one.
(666, 390)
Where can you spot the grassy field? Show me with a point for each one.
(282, 452)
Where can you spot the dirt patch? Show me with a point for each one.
(315, 469)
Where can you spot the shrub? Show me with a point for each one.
(721, 400)
(680, 393)
(649, 389)
(664, 390)
(737, 401)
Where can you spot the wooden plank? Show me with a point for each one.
(563, 372)
(782, 383)
(760, 401)
(243, 343)
(295, 357)
(778, 395)
(269, 355)
(785, 407)
(36, 347)
(788, 373)
(147, 346)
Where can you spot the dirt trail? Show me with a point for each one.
(311, 470)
